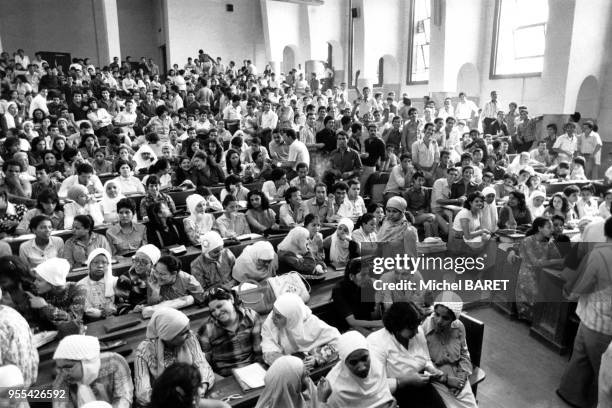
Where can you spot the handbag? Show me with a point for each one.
(291, 282)
(260, 298)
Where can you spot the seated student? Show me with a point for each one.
(47, 204)
(168, 282)
(448, 350)
(287, 384)
(577, 169)
(144, 158)
(303, 181)
(10, 215)
(465, 185)
(399, 234)
(561, 171)
(340, 247)
(257, 262)
(353, 206)
(559, 205)
(339, 191)
(292, 328)
(212, 203)
(169, 340)
(294, 254)
(161, 169)
(88, 375)
(534, 183)
(155, 195)
(367, 229)
(537, 251)
(214, 266)
(275, 188)
(83, 241)
(521, 182)
(259, 170)
(179, 386)
(233, 186)
(400, 177)
(14, 185)
(128, 183)
(572, 194)
(198, 222)
(132, 287)
(515, 213)
(81, 204)
(99, 163)
(492, 167)
(84, 176)
(358, 379)
(535, 204)
(467, 234)
(111, 196)
(231, 335)
(315, 239)
(99, 285)
(44, 181)
(292, 212)
(43, 246)
(232, 223)
(233, 164)
(605, 208)
(162, 230)
(126, 236)
(59, 304)
(18, 352)
(489, 211)
(15, 282)
(587, 204)
(508, 186)
(418, 200)
(354, 300)
(259, 215)
(401, 348)
(204, 171)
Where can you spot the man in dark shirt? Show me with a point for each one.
(353, 300)
(492, 167)
(344, 162)
(77, 108)
(465, 185)
(327, 135)
(499, 128)
(375, 153)
(418, 199)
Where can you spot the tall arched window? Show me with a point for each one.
(519, 38)
(419, 41)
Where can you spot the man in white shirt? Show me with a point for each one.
(465, 108)
(84, 177)
(298, 152)
(567, 144)
(21, 58)
(589, 147)
(353, 206)
(489, 113)
(440, 196)
(267, 123)
(232, 114)
(39, 102)
(126, 118)
(176, 102)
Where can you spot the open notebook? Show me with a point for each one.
(250, 377)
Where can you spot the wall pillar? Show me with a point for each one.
(106, 23)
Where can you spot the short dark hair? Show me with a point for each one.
(341, 185)
(83, 168)
(120, 163)
(470, 199)
(36, 220)
(126, 203)
(86, 221)
(228, 199)
(172, 263)
(301, 165)
(277, 174)
(400, 316)
(289, 192)
(569, 190)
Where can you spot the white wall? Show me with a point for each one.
(196, 24)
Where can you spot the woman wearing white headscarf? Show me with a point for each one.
(520, 162)
(535, 204)
(292, 328)
(448, 350)
(110, 197)
(89, 375)
(339, 243)
(489, 214)
(169, 340)
(214, 266)
(288, 385)
(81, 204)
(257, 262)
(144, 158)
(11, 377)
(357, 380)
(294, 254)
(199, 221)
(396, 231)
(100, 285)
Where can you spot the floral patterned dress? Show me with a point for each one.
(533, 254)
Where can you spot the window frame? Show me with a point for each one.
(411, 28)
(494, 48)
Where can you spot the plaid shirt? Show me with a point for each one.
(113, 384)
(226, 350)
